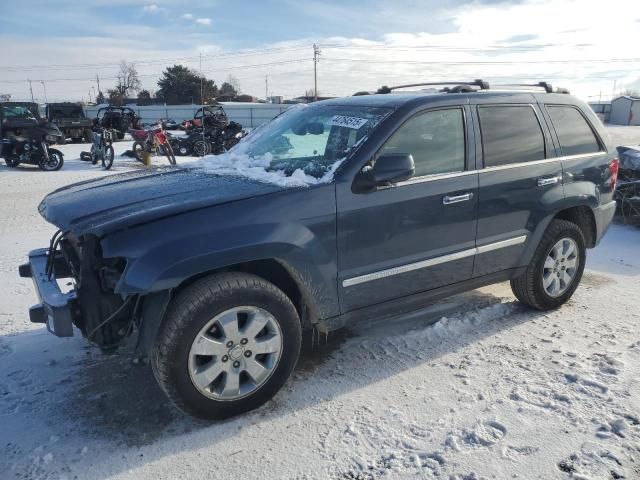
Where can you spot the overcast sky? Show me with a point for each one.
(583, 45)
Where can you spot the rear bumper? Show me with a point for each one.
(603, 215)
(55, 308)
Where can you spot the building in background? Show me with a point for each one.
(625, 110)
(602, 109)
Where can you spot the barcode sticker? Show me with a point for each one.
(348, 122)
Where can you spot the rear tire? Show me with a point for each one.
(12, 162)
(138, 151)
(107, 159)
(547, 267)
(178, 366)
(200, 148)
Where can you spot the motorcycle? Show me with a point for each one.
(101, 149)
(26, 138)
(154, 141)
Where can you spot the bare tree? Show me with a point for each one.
(128, 81)
(310, 92)
(630, 93)
(234, 82)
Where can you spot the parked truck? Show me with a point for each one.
(71, 120)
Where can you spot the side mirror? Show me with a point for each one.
(388, 169)
(315, 128)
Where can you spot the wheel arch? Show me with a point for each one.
(584, 218)
(278, 272)
(275, 271)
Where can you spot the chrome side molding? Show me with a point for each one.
(410, 267)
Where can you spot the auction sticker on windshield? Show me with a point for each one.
(348, 122)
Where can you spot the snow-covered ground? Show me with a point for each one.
(473, 387)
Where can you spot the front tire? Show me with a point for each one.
(54, 163)
(556, 268)
(168, 151)
(227, 344)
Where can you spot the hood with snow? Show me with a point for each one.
(119, 201)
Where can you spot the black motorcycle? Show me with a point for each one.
(26, 138)
(101, 149)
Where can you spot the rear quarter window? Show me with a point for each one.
(510, 134)
(574, 133)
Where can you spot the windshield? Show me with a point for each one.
(67, 112)
(17, 111)
(302, 146)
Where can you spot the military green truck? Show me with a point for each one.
(71, 120)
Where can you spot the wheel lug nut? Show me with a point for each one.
(247, 353)
(229, 344)
(236, 364)
(225, 358)
(244, 341)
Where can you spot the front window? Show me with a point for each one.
(17, 111)
(305, 143)
(434, 139)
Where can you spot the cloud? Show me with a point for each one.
(153, 8)
(493, 42)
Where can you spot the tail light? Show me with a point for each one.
(614, 167)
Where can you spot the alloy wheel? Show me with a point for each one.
(560, 267)
(235, 353)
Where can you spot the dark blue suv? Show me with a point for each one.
(345, 209)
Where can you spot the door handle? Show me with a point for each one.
(544, 181)
(449, 199)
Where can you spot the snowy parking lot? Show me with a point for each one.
(472, 387)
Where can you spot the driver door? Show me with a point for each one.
(418, 234)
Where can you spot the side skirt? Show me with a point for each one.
(410, 303)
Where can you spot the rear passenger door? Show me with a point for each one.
(519, 182)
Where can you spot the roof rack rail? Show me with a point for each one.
(458, 86)
(544, 85)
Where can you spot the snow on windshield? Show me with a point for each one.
(303, 146)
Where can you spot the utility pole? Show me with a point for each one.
(202, 96)
(44, 87)
(98, 82)
(201, 85)
(266, 88)
(316, 59)
(31, 90)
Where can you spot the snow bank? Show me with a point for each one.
(236, 162)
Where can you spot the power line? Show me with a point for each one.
(194, 58)
(482, 62)
(475, 48)
(232, 67)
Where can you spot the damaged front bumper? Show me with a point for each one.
(55, 308)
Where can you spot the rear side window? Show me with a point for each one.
(574, 133)
(510, 134)
(435, 139)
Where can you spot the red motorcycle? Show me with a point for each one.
(153, 141)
